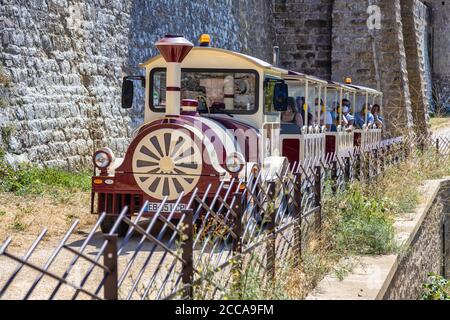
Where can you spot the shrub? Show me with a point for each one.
(363, 224)
(30, 179)
(437, 288)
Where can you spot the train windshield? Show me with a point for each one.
(218, 91)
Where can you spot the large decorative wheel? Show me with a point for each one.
(167, 162)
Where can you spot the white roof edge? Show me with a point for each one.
(258, 62)
(370, 90)
(341, 85)
(304, 76)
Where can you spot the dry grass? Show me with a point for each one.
(25, 216)
(399, 191)
(318, 259)
(439, 123)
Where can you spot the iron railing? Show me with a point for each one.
(258, 225)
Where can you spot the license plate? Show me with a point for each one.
(167, 207)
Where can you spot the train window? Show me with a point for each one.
(218, 91)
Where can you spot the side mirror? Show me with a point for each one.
(281, 97)
(127, 94)
(128, 90)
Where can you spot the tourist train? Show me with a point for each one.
(213, 115)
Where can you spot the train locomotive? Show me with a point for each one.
(211, 116)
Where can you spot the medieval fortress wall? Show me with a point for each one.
(66, 59)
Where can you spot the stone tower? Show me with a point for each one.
(441, 45)
(372, 52)
(416, 30)
(303, 33)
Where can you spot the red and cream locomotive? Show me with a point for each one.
(211, 115)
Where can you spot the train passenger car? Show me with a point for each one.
(368, 132)
(339, 141)
(211, 115)
(307, 138)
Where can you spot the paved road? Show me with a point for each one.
(443, 132)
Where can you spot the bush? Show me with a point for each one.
(30, 179)
(437, 288)
(363, 224)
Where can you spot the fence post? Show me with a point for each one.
(437, 146)
(318, 195)
(407, 151)
(376, 157)
(397, 151)
(382, 158)
(422, 146)
(358, 167)
(237, 242)
(367, 166)
(270, 245)
(334, 175)
(347, 170)
(298, 214)
(389, 156)
(110, 289)
(188, 252)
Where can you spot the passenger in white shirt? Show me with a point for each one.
(326, 118)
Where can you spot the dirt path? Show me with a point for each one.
(25, 278)
(147, 260)
(443, 132)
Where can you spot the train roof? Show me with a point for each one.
(207, 51)
(367, 89)
(297, 75)
(338, 85)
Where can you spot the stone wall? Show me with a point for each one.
(441, 45)
(414, 20)
(303, 33)
(66, 59)
(424, 255)
(374, 55)
(447, 240)
(243, 26)
(353, 53)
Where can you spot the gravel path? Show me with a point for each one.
(45, 287)
(443, 132)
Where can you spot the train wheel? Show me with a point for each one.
(109, 221)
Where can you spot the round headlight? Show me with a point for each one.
(235, 162)
(103, 158)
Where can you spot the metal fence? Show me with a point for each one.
(241, 230)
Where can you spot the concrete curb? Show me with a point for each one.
(372, 276)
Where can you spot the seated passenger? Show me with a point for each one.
(346, 103)
(300, 106)
(376, 112)
(291, 116)
(335, 118)
(360, 117)
(348, 118)
(326, 118)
